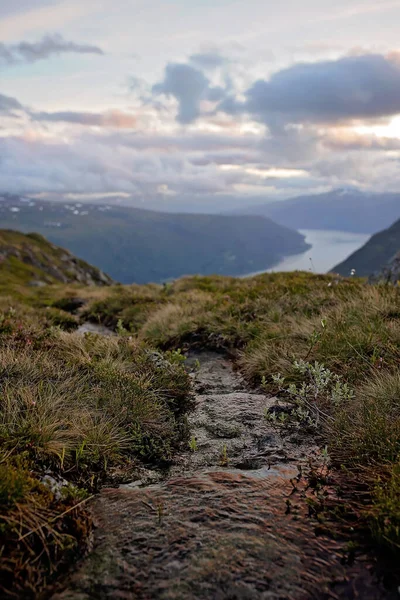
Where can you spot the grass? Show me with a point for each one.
(267, 323)
(90, 410)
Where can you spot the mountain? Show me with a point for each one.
(375, 255)
(136, 245)
(341, 209)
(30, 259)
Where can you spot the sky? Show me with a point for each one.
(202, 105)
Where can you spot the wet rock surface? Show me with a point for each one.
(225, 524)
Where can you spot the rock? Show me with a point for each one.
(391, 273)
(37, 283)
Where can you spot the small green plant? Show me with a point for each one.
(316, 337)
(120, 329)
(175, 356)
(223, 459)
(193, 444)
(80, 451)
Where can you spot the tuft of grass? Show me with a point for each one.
(367, 429)
(384, 516)
(38, 531)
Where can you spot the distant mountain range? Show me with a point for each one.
(136, 245)
(341, 209)
(375, 255)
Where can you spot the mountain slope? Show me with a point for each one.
(31, 259)
(344, 210)
(375, 255)
(136, 245)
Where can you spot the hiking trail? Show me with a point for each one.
(227, 522)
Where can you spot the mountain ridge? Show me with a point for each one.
(375, 256)
(344, 209)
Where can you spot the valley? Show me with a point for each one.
(136, 245)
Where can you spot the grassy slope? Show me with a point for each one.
(374, 255)
(139, 245)
(93, 410)
(30, 258)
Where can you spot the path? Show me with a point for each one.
(225, 525)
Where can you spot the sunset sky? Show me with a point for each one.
(199, 104)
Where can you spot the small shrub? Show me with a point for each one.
(320, 392)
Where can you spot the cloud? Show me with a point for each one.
(274, 137)
(8, 105)
(190, 87)
(113, 118)
(346, 139)
(211, 59)
(50, 45)
(350, 88)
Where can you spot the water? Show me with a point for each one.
(329, 248)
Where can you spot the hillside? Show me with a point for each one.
(342, 210)
(31, 260)
(186, 380)
(375, 255)
(135, 245)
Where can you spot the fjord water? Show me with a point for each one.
(328, 248)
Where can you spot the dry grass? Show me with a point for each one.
(85, 409)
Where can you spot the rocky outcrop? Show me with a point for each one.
(31, 259)
(390, 273)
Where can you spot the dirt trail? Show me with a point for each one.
(225, 524)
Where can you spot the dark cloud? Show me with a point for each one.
(351, 88)
(8, 105)
(113, 118)
(189, 86)
(50, 45)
